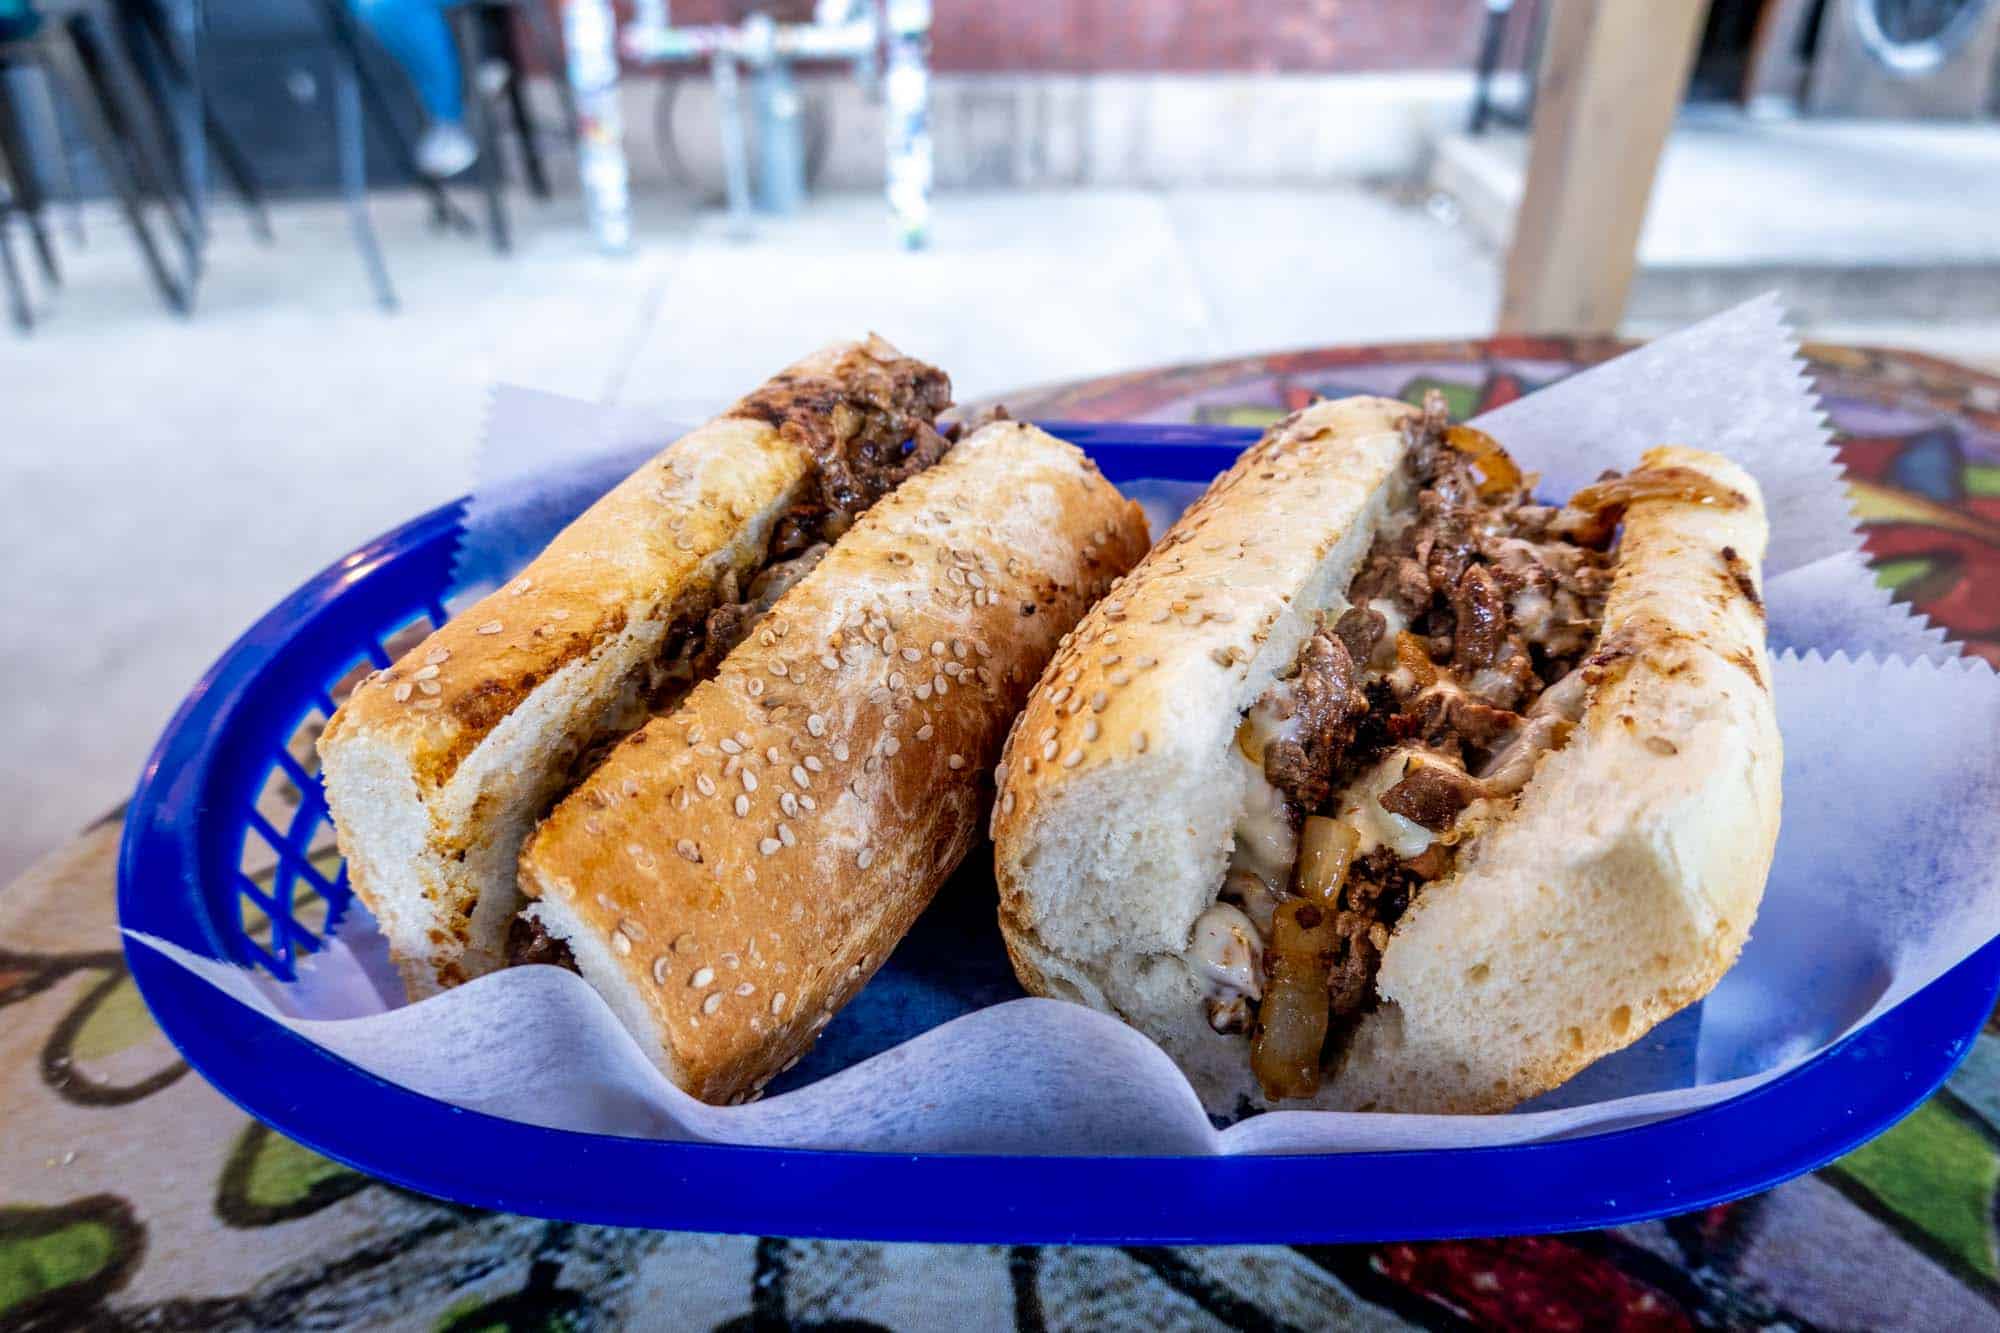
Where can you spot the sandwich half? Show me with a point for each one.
(1381, 785)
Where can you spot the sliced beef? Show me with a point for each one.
(1325, 700)
(1432, 795)
(529, 941)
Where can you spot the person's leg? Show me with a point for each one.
(415, 33)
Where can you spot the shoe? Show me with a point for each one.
(445, 150)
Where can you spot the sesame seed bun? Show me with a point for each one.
(1618, 889)
(437, 767)
(734, 872)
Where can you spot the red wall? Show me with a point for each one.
(1080, 36)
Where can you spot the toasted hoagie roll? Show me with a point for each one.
(1396, 790)
(437, 767)
(735, 871)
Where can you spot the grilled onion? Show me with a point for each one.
(1326, 849)
(1292, 1021)
(1498, 473)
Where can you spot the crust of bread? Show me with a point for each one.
(1618, 890)
(734, 872)
(437, 767)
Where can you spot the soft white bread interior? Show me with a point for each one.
(734, 872)
(437, 767)
(1618, 890)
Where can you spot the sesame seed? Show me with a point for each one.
(941, 685)
(712, 1003)
(660, 970)
(1007, 804)
(888, 643)
(1098, 701)
(746, 988)
(772, 753)
(1072, 759)
(402, 691)
(755, 687)
(688, 850)
(749, 780)
(926, 731)
(924, 690)
(1090, 729)
(730, 746)
(1120, 678)
(829, 661)
(1061, 693)
(630, 787)
(694, 734)
(621, 944)
(840, 751)
(896, 680)
(704, 784)
(816, 724)
(425, 673)
(813, 765)
(799, 776)
(684, 942)
(912, 655)
(683, 543)
(1000, 775)
(490, 627)
(890, 745)
(866, 858)
(955, 763)
(769, 845)
(809, 803)
(980, 648)
(437, 656)
(742, 806)
(633, 929)
(1049, 750)
(778, 1003)
(780, 670)
(1159, 617)
(788, 803)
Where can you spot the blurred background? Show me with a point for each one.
(261, 260)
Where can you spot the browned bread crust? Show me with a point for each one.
(734, 872)
(438, 766)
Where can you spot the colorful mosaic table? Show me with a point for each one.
(133, 1196)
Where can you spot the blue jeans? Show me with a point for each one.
(416, 34)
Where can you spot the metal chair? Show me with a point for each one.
(487, 26)
(78, 49)
(171, 69)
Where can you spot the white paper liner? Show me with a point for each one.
(1887, 870)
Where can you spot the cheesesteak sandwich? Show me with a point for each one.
(1381, 786)
(437, 767)
(738, 868)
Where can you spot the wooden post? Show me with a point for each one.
(1612, 76)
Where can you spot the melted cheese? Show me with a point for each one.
(1360, 806)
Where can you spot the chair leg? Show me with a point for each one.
(509, 41)
(17, 168)
(549, 50)
(17, 288)
(465, 28)
(65, 167)
(345, 34)
(229, 155)
(66, 70)
(350, 130)
(124, 97)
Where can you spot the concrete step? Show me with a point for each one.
(1851, 220)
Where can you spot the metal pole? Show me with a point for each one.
(735, 153)
(590, 33)
(907, 84)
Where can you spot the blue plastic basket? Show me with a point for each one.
(227, 853)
